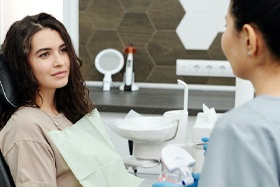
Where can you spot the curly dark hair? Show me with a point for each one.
(73, 99)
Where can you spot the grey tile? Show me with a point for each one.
(166, 14)
(105, 13)
(165, 48)
(136, 29)
(136, 5)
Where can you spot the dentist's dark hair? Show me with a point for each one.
(259, 14)
(73, 99)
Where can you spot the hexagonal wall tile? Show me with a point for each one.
(217, 11)
(163, 74)
(97, 42)
(215, 50)
(83, 4)
(105, 14)
(165, 48)
(142, 64)
(136, 5)
(87, 67)
(197, 31)
(86, 26)
(195, 5)
(215, 8)
(206, 15)
(135, 29)
(166, 14)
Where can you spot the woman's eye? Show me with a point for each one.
(64, 50)
(43, 55)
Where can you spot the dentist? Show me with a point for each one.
(245, 143)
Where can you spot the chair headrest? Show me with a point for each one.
(8, 97)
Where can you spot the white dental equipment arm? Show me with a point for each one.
(186, 93)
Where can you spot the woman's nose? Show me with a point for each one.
(59, 60)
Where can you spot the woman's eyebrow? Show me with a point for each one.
(62, 45)
(42, 49)
(47, 48)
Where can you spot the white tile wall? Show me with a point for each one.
(202, 22)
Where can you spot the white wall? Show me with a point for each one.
(71, 20)
(65, 11)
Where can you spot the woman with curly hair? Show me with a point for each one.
(52, 95)
(55, 136)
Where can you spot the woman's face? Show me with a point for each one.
(49, 60)
(234, 48)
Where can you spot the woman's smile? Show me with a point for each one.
(60, 74)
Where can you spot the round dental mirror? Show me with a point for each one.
(109, 62)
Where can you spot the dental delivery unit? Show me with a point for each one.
(151, 135)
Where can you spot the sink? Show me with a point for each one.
(146, 130)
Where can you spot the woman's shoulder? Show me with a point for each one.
(23, 126)
(25, 110)
(251, 114)
(25, 114)
(27, 121)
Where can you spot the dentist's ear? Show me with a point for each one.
(251, 39)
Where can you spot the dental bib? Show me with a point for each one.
(89, 152)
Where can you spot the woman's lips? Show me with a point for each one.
(60, 74)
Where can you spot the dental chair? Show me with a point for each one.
(8, 99)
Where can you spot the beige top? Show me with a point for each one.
(30, 153)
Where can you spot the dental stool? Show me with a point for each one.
(8, 99)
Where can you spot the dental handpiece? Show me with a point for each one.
(199, 144)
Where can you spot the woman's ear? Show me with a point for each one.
(250, 36)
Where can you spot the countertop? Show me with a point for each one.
(158, 101)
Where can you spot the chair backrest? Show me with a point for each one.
(6, 179)
(8, 99)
